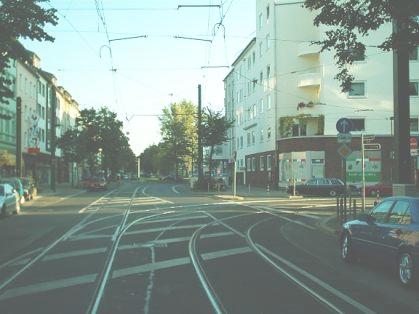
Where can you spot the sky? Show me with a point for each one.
(148, 73)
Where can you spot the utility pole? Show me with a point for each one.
(138, 167)
(402, 167)
(363, 172)
(19, 137)
(53, 136)
(200, 152)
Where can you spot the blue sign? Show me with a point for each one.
(344, 125)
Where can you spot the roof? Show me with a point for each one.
(250, 44)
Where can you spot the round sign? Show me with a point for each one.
(344, 125)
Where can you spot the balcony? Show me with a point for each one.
(308, 49)
(311, 79)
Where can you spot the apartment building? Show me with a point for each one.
(38, 91)
(296, 82)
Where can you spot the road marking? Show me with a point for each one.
(19, 258)
(48, 286)
(175, 190)
(306, 274)
(268, 209)
(164, 228)
(157, 198)
(95, 202)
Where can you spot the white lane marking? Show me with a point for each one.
(89, 237)
(174, 189)
(150, 285)
(95, 202)
(177, 262)
(157, 198)
(77, 253)
(306, 274)
(19, 259)
(85, 279)
(48, 286)
(184, 239)
(59, 200)
(164, 228)
(269, 210)
(298, 213)
(96, 230)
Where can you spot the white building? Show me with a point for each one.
(287, 102)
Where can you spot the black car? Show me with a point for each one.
(388, 234)
(321, 186)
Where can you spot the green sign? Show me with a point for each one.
(372, 167)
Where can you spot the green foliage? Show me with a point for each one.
(214, 131)
(20, 19)
(286, 123)
(351, 21)
(179, 132)
(98, 132)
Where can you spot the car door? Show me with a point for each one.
(364, 234)
(308, 188)
(393, 232)
(322, 187)
(8, 193)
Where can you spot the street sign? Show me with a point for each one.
(344, 151)
(413, 146)
(344, 138)
(344, 125)
(372, 146)
(368, 138)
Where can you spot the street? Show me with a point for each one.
(160, 248)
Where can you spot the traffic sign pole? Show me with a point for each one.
(363, 173)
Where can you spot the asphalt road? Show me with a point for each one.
(152, 248)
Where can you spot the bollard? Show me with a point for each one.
(267, 188)
(337, 208)
(341, 210)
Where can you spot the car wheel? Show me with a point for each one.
(332, 193)
(405, 268)
(346, 251)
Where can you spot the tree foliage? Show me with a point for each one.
(20, 19)
(178, 129)
(98, 132)
(214, 131)
(351, 21)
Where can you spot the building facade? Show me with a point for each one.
(290, 113)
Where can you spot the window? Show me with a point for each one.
(400, 214)
(414, 125)
(249, 63)
(380, 212)
(262, 163)
(268, 71)
(238, 143)
(254, 85)
(249, 164)
(268, 42)
(254, 57)
(255, 111)
(268, 162)
(43, 136)
(261, 78)
(268, 102)
(241, 141)
(254, 164)
(267, 13)
(414, 88)
(269, 133)
(39, 87)
(413, 54)
(357, 89)
(261, 136)
(295, 130)
(38, 109)
(260, 20)
(260, 49)
(253, 137)
(43, 112)
(248, 139)
(262, 105)
(358, 124)
(357, 55)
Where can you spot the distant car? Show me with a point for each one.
(388, 234)
(96, 184)
(9, 200)
(381, 189)
(125, 177)
(321, 186)
(29, 188)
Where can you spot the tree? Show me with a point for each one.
(99, 132)
(214, 131)
(20, 19)
(178, 128)
(351, 21)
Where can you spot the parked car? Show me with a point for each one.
(381, 189)
(29, 188)
(388, 234)
(9, 200)
(16, 183)
(96, 184)
(321, 186)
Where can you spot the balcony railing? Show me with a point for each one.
(307, 49)
(311, 79)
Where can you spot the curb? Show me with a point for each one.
(229, 197)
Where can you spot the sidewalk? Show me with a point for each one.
(62, 189)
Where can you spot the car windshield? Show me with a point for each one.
(209, 156)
